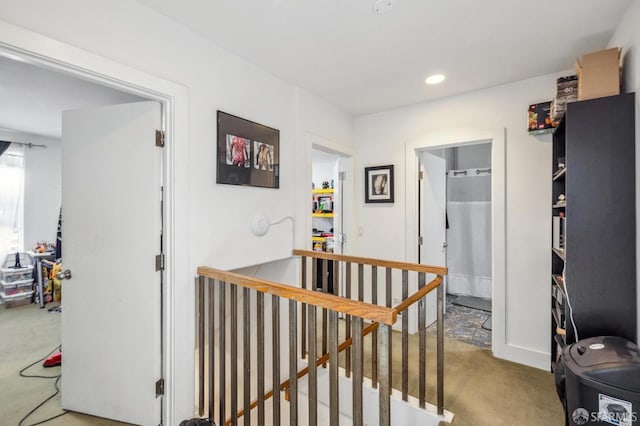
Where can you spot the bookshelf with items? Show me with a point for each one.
(593, 282)
(322, 214)
(558, 238)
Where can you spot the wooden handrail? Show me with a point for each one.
(418, 294)
(429, 269)
(364, 310)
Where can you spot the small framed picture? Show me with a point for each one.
(378, 184)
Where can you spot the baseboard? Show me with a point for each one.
(525, 356)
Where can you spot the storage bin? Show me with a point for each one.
(10, 274)
(15, 300)
(16, 287)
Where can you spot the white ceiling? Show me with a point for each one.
(343, 52)
(365, 62)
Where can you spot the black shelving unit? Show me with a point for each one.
(596, 142)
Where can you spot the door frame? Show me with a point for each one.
(28, 46)
(461, 137)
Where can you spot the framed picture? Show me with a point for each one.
(248, 153)
(378, 184)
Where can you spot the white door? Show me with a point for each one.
(111, 198)
(433, 211)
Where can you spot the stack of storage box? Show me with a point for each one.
(566, 91)
(16, 283)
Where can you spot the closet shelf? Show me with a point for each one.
(560, 173)
(559, 253)
(557, 279)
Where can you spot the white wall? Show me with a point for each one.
(381, 139)
(136, 37)
(42, 187)
(627, 36)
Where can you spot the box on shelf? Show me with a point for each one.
(566, 91)
(9, 273)
(599, 74)
(539, 119)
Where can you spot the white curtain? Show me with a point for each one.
(469, 234)
(11, 200)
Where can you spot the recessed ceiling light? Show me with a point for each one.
(434, 79)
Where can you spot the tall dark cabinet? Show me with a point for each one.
(594, 245)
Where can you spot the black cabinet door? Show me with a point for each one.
(601, 218)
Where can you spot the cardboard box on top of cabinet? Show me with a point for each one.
(599, 74)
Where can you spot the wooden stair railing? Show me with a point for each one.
(212, 282)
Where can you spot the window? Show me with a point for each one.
(11, 200)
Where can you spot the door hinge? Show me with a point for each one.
(160, 138)
(342, 176)
(342, 238)
(420, 240)
(420, 175)
(159, 387)
(160, 262)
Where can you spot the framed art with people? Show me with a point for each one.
(247, 153)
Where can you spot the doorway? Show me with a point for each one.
(84, 94)
(455, 225)
(443, 139)
(329, 209)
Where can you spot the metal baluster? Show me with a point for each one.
(334, 401)
(360, 282)
(325, 289)
(440, 350)
(422, 344)
(221, 358)
(200, 341)
(275, 333)
(347, 352)
(313, 371)
(260, 355)
(246, 334)
(405, 338)
(336, 277)
(212, 346)
(388, 303)
(357, 371)
(384, 373)
(304, 310)
(374, 334)
(293, 362)
(233, 331)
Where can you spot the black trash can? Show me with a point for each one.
(602, 381)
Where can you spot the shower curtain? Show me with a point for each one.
(469, 233)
